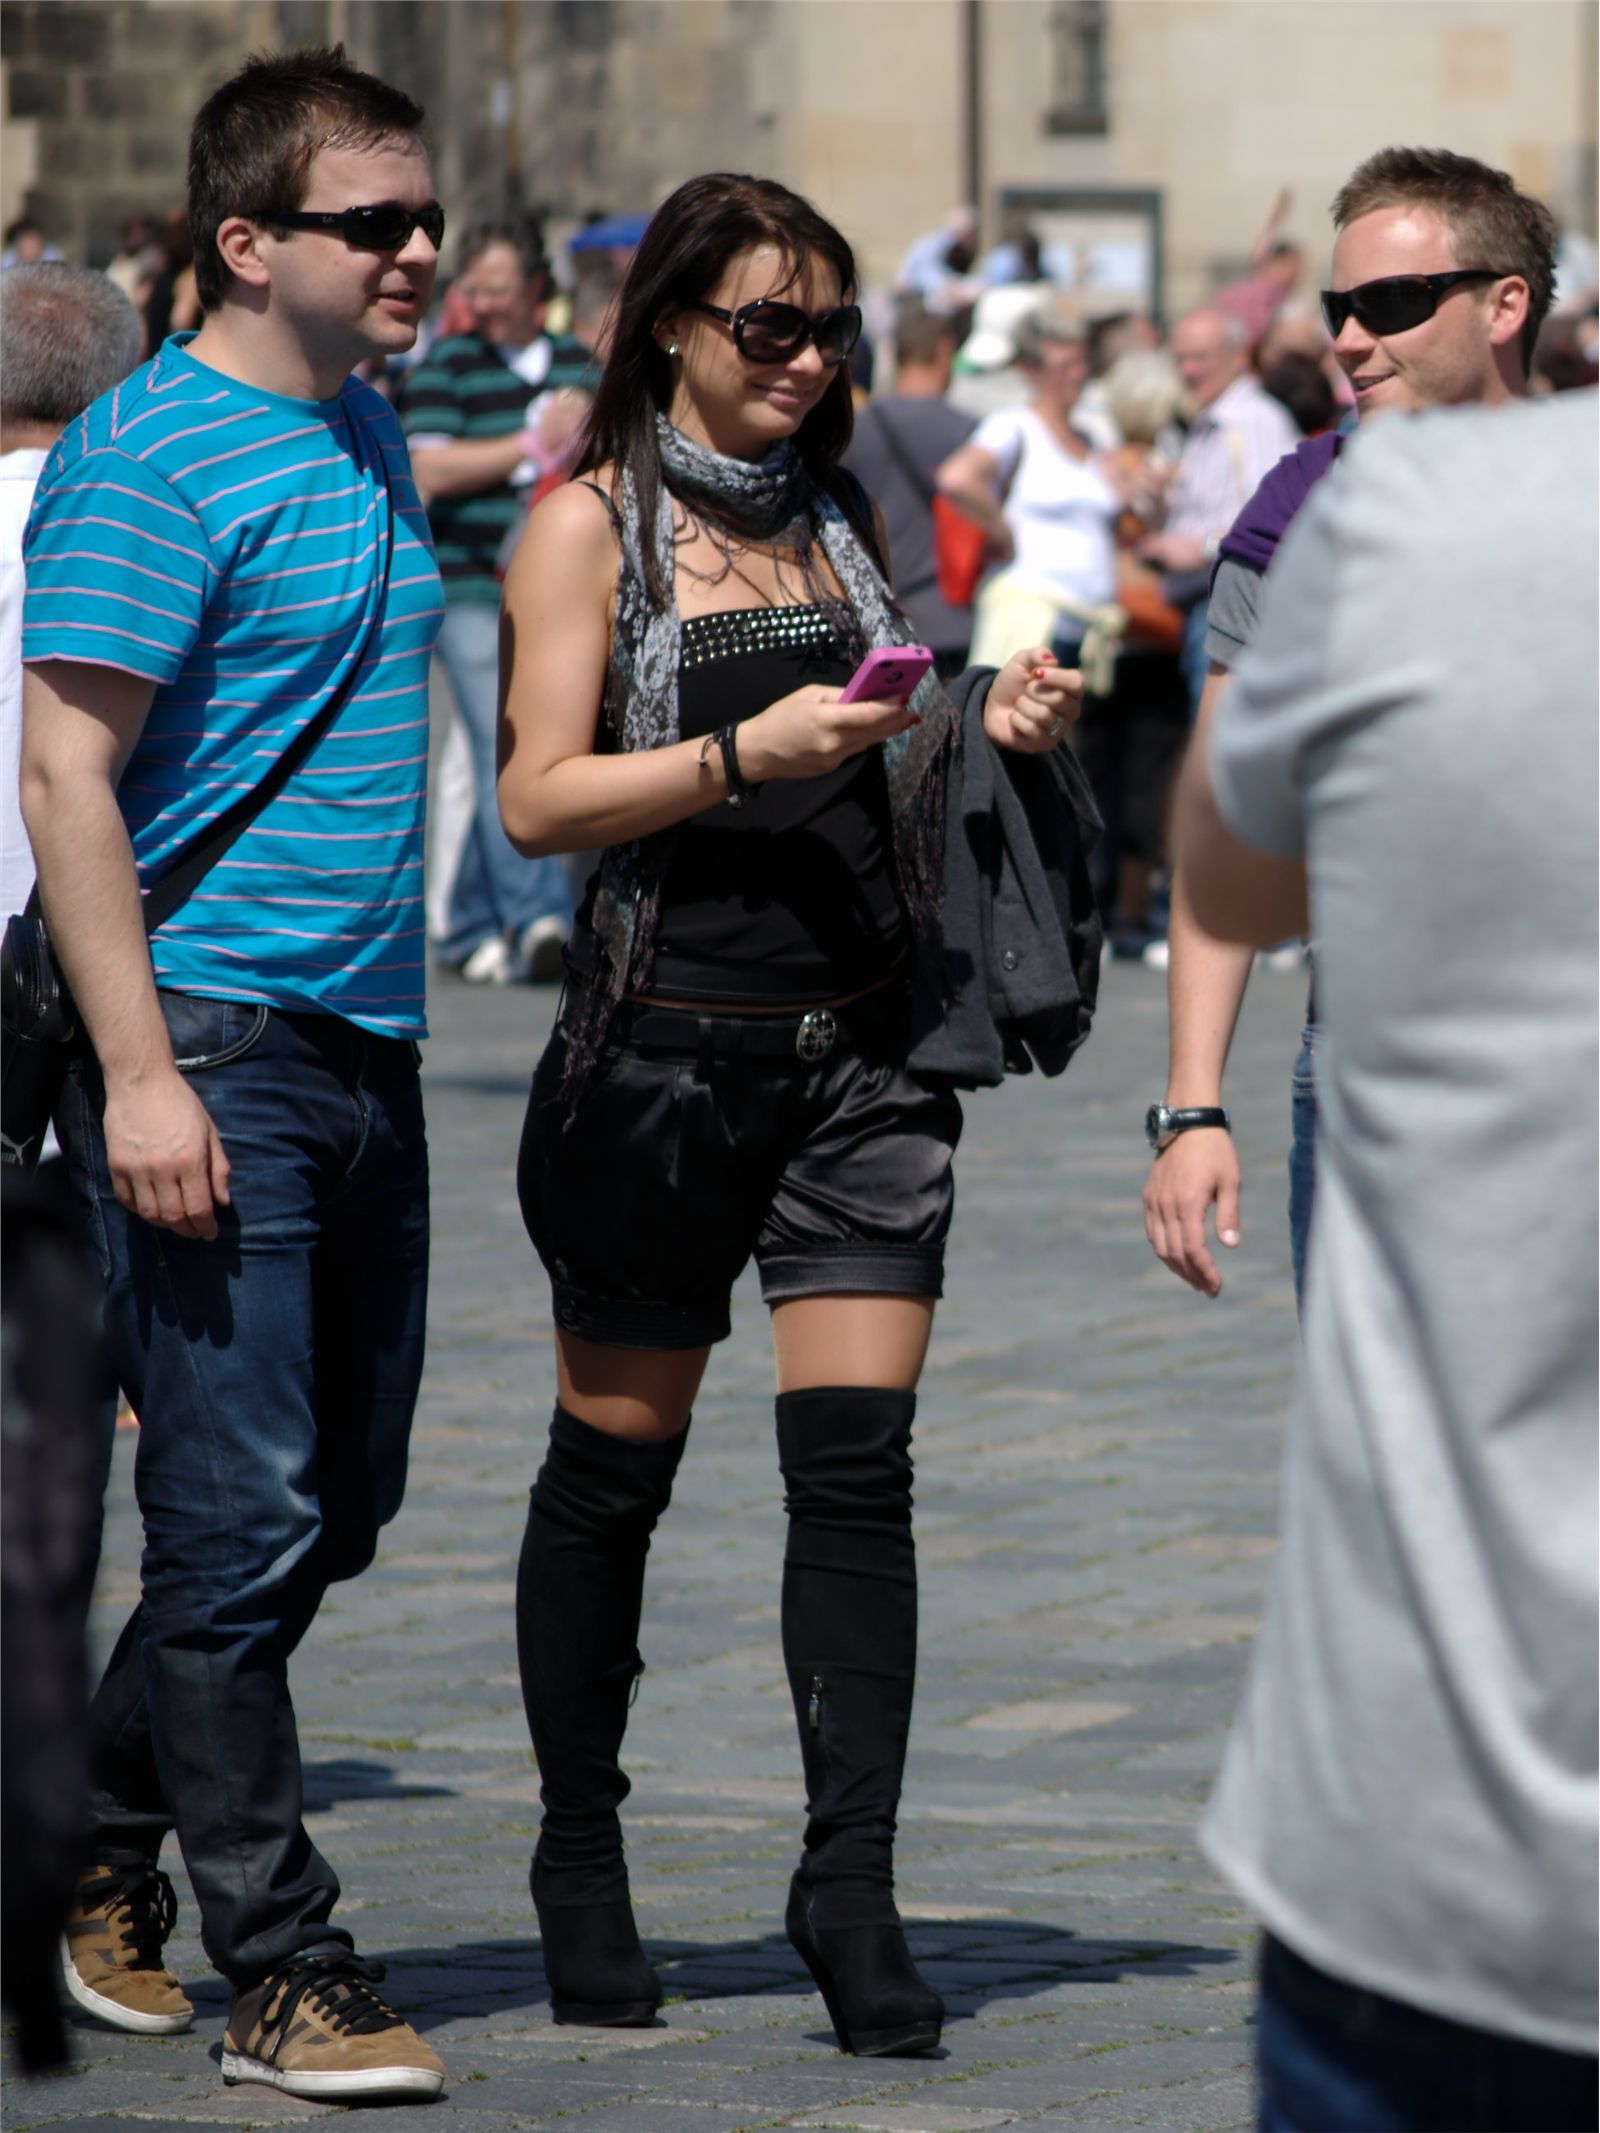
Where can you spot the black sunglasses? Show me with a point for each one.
(1399, 301)
(771, 332)
(386, 226)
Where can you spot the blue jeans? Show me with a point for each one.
(1302, 1156)
(496, 890)
(1192, 659)
(274, 1371)
(1333, 2058)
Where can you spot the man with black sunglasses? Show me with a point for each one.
(1442, 274)
(224, 551)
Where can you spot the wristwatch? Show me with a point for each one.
(1162, 1126)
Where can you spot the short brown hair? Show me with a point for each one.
(1492, 224)
(919, 334)
(255, 138)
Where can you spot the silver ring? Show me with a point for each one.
(1055, 728)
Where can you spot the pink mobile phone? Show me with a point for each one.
(893, 670)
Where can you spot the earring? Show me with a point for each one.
(672, 348)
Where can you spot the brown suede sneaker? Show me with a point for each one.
(111, 1958)
(317, 2029)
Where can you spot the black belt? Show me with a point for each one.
(806, 1034)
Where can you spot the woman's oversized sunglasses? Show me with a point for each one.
(1399, 301)
(768, 331)
(386, 226)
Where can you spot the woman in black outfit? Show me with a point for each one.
(727, 1074)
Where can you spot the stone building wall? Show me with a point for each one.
(581, 105)
(1218, 104)
(97, 104)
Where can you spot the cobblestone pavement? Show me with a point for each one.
(1096, 1463)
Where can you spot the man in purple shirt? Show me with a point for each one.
(1442, 276)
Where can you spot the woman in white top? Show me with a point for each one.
(1047, 501)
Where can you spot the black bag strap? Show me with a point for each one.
(900, 453)
(179, 883)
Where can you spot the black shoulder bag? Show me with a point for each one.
(39, 1026)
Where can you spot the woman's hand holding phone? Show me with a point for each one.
(1033, 702)
(813, 730)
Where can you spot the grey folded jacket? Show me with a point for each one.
(1015, 982)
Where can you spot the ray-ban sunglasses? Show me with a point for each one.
(769, 331)
(385, 226)
(1399, 301)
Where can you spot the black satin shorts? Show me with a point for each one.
(706, 1138)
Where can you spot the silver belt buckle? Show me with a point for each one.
(817, 1035)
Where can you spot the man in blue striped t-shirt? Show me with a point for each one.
(218, 548)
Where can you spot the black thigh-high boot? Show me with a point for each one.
(850, 1646)
(580, 1586)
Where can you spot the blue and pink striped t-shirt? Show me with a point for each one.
(228, 544)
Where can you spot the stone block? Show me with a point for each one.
(161, 156)
(37, 94)
(78, 35)
(1048, 1715)
(122, 96)
(905, 2118)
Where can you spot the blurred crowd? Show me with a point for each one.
(1155, 536)
(1051, 460)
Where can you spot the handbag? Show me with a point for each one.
(40, 1031)
(960, 545)
(1154, 624)
(960, 550)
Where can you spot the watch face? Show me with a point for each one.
(1155, 1121)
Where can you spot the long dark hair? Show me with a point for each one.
(692, 238)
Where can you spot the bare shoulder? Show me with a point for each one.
(579, 510)
(570, 538)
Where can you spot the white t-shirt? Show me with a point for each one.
(1409, 1797)
(1061, 510)
(19, 475)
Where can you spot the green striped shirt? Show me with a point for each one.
(465, 391)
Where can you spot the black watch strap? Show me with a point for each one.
(1163, 1125)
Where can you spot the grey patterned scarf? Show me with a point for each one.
(775, 501)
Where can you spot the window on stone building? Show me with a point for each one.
(1078, 40)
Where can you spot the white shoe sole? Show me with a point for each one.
(319, 2088)
(114, 2014)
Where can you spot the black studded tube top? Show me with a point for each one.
(790, 897)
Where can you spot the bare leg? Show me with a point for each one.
(641, 1394)
(851, 1340)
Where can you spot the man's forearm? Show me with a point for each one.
(461, 469)
(1206, 981)
(1206, 978)
(89, 888)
